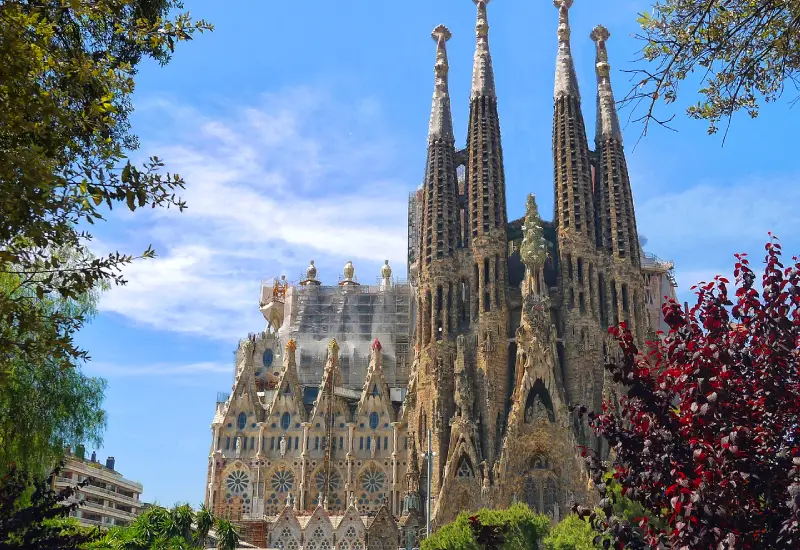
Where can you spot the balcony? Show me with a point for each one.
(105, 510)
(100, 491)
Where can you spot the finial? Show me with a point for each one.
(376, 345)
(441, 125)
(563, 18)
(349, 270)
(333, 347)
(311, 271)
(386, 271)
(600, 35)
(607, 119)
(291, 346)
(482, 72)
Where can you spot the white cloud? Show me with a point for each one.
(297, 175)
(157, 369)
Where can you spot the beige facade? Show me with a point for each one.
(107, 499)
(500, 330)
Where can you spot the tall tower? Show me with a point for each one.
(617, 235)
(487, 234)
(574, 218)
(438, 273)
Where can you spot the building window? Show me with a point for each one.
(373, 420)
(369, 443)
(252, 443)
(268, 357)
(271, 443)
(242, 421)
(296, 442)
(341, 443)
(286, 421)
(316, 442)
(227, 443)
(361, 444)
(378, 444)
(386, 443)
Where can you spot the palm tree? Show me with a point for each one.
(205, 521)
(227, 535)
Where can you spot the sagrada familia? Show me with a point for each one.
(362, 403)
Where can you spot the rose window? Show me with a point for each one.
(373, 480)
(237, 482)
(334, 482)
(282, 481)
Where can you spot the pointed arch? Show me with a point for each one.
(539, 404)
(465, 469)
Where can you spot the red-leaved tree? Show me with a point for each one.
(708, 437)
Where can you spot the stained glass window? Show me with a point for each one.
(286, 421)
(237, 482)
(373, 420)
(282, 481)
(268, 357)
(242, 421)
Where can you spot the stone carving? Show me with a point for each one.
(386, 271)
(537, 411)
(282, 446)
(533, 248)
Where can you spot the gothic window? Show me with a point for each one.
(227, 443)
(316, 443)
(465, 469)
(375, 391)
(268, 357)
(372, 488)
(550, 496)
(373, 420)
(286, 421)
(242, 421)
(532, 494)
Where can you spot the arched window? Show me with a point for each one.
(242, 421)
(286, 421)
(268, 357)
(373, 420)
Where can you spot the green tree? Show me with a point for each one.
(43, 406)
(67, 71)
(520, 527)
(159, 528)
(571, 533)
(33, 516)
(227, 535)
(735, 51)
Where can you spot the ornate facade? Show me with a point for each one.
(500, 328)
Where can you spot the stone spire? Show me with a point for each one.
(439, 229)
(482, 72)
(566, 81)
(574, 202)
(607, 118)
(617, 231)
(485, 173)
(441, 126)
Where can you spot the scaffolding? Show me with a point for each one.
(355, 316)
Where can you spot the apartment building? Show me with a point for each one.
(108, 498)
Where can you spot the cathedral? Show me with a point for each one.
(364, 409)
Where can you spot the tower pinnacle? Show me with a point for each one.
(441, 126)
(607, 118)
(566, 79)
(482, 72)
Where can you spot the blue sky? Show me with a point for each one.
(300, 128)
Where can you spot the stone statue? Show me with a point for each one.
(351, 501)
(282, 446)
(556, 513)
(386, 271)
(374, 448)
(238, 445)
